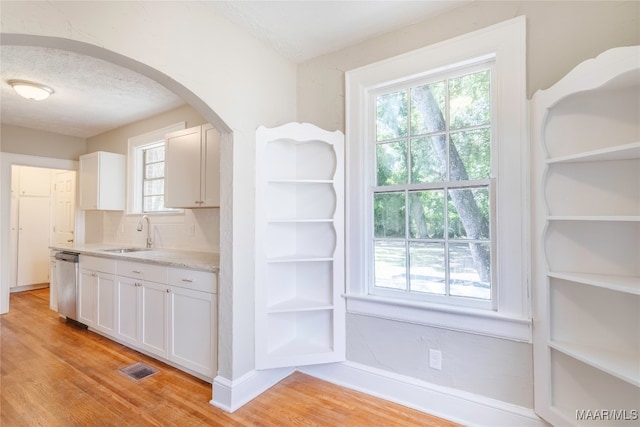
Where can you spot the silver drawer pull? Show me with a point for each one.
(137, 271)
(187, 280)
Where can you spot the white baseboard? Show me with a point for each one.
(455, 405)
(230, 395)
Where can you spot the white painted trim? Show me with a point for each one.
(230, 395)
(134, 174)
(507, 42)
(470, 320)
(458, 406)
(6, 161)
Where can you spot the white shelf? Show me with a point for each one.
(300, 181)
(616, 364)
(300, 314)
(299, 304)
(630, 285)
(300, 258)
(300, 346)
(297, 221)
(620, 152)
(620, 218)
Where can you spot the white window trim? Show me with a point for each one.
(512, 317)
(134, 173)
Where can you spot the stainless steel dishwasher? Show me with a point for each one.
(67, 280)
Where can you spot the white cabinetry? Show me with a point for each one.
(169, 312)
(300, 246)
(96, 293)
(586, 141)
(142, 306)
(192, 301)
(102, 181)
(192, 168)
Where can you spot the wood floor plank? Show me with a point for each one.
(53, 374)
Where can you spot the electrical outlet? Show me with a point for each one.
(435, 359)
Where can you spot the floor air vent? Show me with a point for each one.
(138, 371)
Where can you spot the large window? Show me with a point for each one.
(437, 212)
(432, 199)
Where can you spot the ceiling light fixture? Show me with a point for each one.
(30, 90)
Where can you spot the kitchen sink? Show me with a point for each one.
(124, 250)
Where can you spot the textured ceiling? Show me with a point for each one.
(93, 96)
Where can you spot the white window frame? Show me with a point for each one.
(135, 174)
(510, 317)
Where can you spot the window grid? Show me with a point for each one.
(153, 178)
(446, 186)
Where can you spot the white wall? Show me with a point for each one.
(559, 36)
(32, 142)
(231, 79)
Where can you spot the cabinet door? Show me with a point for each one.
(105, 303)
(128, 309)
(34, 232)
(210, 180)
(53, 285)
(153, 319)
(87, 297)
(89, 165)
(192, 317)
(182, 168)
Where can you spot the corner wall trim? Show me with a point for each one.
(230, 395)
(448, 403)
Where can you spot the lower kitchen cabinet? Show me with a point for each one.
(193, 347)
(142, 314)
(96, 294)
(96, 300)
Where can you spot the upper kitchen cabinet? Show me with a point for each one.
(102, 181)
(192, 168)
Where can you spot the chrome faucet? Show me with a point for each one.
(149, 241)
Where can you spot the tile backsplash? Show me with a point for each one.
(195, 229)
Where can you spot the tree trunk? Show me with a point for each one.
(474, 223)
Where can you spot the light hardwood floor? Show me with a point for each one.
(53, 374)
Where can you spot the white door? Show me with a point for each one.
(154, 318)
(34, 233)
(64, 212)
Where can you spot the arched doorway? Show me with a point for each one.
(91, 50)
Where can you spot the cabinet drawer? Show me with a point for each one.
(151, 272)
(105, 265)
(204, 281)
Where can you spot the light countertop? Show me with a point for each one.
(206, 261)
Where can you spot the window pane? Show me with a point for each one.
(426, 216)
(154, 187)
(390, 264)
(470, 100)
(468, 213)
(153, 203)
(427, 267)
(429, 159)
(389, 215)
(469, 270)
(391, 162)
(470, 156)
(155, 154)
(427, 108)
(392, 116)
(154, 170)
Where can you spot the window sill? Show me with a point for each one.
(474, 321)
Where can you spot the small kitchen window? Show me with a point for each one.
(146, 166)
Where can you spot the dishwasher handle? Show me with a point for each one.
(67, 256)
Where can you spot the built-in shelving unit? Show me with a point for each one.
(586, 246)
(300, 246)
